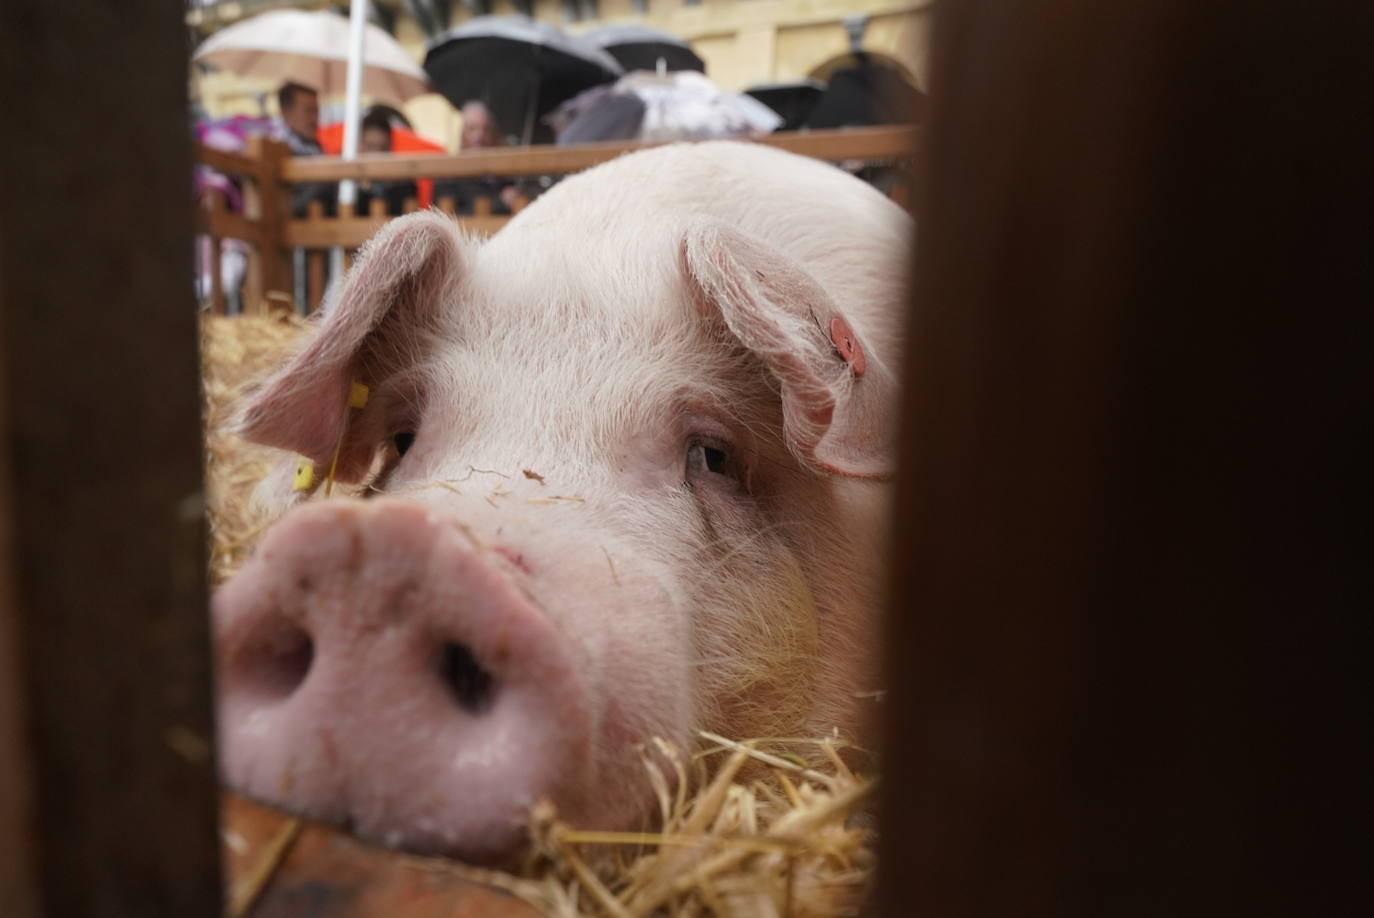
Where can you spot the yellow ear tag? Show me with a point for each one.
(305, 475)
(357, 395)
(357, 398)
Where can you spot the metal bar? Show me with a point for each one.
(357, 48)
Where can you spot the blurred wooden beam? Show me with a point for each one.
(895, 142)
(1121, 654)
(103, 618)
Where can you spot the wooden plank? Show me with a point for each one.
(215, 267)
(331, 875)
(228, 225)
(237, 164)
(892, 142)
(327, 232)
(844, 143)
(354, 231)
(273, 204)
(255, 279)
(1126, 652)
(107, 607)
(314, 285)
(252, 284)
(213, 206)
(19, 880)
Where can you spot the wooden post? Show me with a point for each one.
(278, 303)
(314, 287)
(105, 702)
(255, 277)
(447, 205)
(20, 883)
(410, 206)
(274, 205)
(314, 262)
(346, 212)
(252, 300)
(216, 259)
(376, 207)
(1123, 657)
(481, 207)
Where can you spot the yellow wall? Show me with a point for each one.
(743, 42)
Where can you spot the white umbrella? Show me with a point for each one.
(327, 53)
(683, 105)
(311, 48)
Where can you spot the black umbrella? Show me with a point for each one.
(639, 47)
(520, 68)
(871, 92)
(793, 101)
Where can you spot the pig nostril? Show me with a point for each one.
(278, 669)
(471, 684)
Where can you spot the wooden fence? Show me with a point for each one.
(271, 235)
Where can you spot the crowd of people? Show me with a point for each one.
(299, 126)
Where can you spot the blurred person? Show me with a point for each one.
(480, 130)
(217, 191)
(393, 114)
(299, 118)
(297, 125)
(479, 126)
(375, 137)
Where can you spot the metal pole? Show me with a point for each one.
(357, 42)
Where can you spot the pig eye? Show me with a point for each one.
(714, 459)
(403, 442)
(710, 457)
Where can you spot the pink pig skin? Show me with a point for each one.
(696, 545)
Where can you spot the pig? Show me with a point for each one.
(623, 469)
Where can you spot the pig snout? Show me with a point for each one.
(381, 669)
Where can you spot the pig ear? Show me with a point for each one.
(838, 398)
(374, 327)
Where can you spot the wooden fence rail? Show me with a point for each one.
(267, 235)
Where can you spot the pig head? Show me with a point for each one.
(622, 480)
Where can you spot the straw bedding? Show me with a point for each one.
(777, 827)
